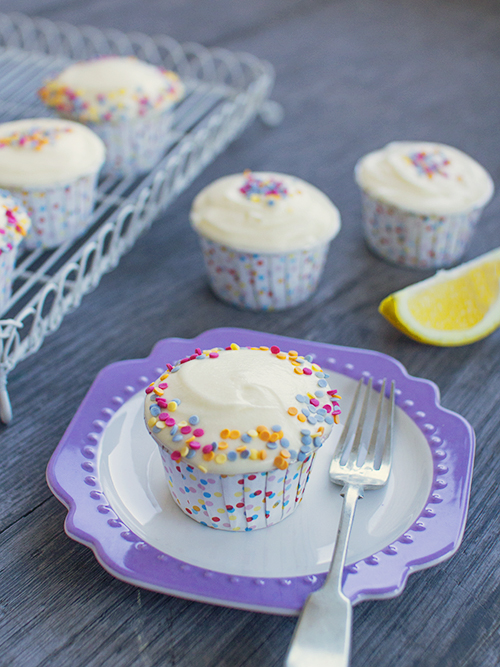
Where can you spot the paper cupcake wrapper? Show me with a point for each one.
(135, 146)
(237, 502)
(58, 214)
(263, 281)
(416, 240)
(7, 263)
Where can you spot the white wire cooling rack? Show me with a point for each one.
(224, 92)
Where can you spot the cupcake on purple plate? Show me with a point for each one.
(265, 237)
(51, 166)
(126, 101)
(14, 225)
(238, 429)
(421, 202)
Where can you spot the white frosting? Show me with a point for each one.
(424, 177)
(112, 88)
(303, 219)
(67, 155)
(240, 390)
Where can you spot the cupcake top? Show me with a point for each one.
(424, 177)
(241, 410)
(14, 222)
(112, 89)
(41, 152)
(264, 212)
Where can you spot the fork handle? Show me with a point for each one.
(322, 637)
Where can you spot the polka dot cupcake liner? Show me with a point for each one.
(58, 214)
(133, 147)
(237, 502)
(263, 281)
(7, 263)
(416, 240)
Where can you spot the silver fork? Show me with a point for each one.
(322, 637)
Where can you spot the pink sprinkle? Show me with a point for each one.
(163, 385)
(336, 412)
(175, 456)
(162, 402)
(314, 401)
(328, 408)
(169, 421)
(332, 392)
(213, 355)
(307, 371)
(149, 390)
(193, 356)
(169, 366)
(335, 403)
(194, 444)
(183, 361)
(198, 351)
(207, 449)
(228, 348)
(186, 430)
(275, 349)
(163, 416)
(198, 432)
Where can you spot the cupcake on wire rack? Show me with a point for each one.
(238, 429)
(265, 237)
(421, 202)
(51, 166)
(127, 102)
(14, 225)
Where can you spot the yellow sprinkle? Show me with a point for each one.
(160, 424)
(222, 445)
(184, 451)
(241, 449)
(264, 435)
(252, 433)
(181, 424)
(273, 437)
(152, 421)
(220, 458)
(315, 367)
(208, 456)
(280, 435)
(292, 353)
(336, 419)
(190, 439)
(336, 396)
(298, 370)
(254, 348)
(292, 411)
(158, 392)
(224, 433)
(164, 376)
(203, 469)
(262, 454)
(285, 454)
(254, 454)
(281, 355)
(234, 434)
(294, 363)
(152, 383)
(234, 346)
(172, 406)
(310, 396)
(261, 428)
(301, 417)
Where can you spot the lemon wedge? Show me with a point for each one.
(454, 307)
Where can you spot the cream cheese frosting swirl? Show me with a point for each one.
(425, 177)
(42, 152)
(265, 213)
(240, 410)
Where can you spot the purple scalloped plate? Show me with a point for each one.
(107, 471)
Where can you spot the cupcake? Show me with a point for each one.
(264, 237)
(238, 429)
(126, 101)
(14, 225)
(421, 202)
(51, 166)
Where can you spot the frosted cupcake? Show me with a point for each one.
(14, 225)
(421, 202)
(126, 101)
(238, 429)
(265, 237)
(51, 166)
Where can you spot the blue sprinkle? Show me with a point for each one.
(320, 417)
(293, 455)
(156, 429)
(154, 410)
(207, 495)
(152, 397)
(177, 437)
(246, 438)
(329, 419)
(306, 449)
(204, 481)
(276, 429)
(312, 408)
(319, 393)
(190, 454)
(312, 419)
(321, 411)
(175, 369)
(194, 419)
(186, 489)
(301, 456)
(306, 440)
(201, 356)
(317, 442)
(271, 445)
(322, 383)
(319, 374)
(214, 446)
(284, 443)
(301, 399)
(245, 454)
(176, 400)
(232, 456)
(327, 375)
(308, 357)
(305, 412)
(305, 431)
(174, 429)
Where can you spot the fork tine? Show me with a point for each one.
(370, 454)
(361, 422)
(387, 453)
(339, 450)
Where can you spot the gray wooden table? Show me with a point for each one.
(351, 75)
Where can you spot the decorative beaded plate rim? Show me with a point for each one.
(434, 537)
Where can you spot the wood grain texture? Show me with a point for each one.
(351, 75)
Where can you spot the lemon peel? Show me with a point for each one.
(454, 307)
